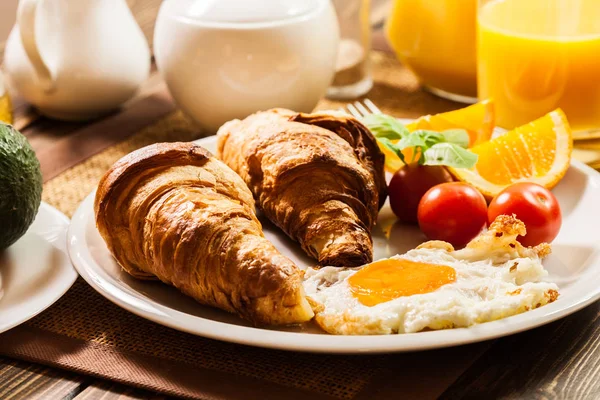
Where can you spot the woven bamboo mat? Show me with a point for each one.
(87, 333)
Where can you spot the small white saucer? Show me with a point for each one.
(36, 270)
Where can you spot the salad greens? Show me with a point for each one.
(448, 148)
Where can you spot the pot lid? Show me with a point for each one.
(243, 11)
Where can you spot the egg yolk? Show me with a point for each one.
(389, 279)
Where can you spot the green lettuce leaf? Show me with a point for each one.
(450, 155)
(385, 126)
(447, 148)
(459, 137)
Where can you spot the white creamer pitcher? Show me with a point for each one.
(76, 59)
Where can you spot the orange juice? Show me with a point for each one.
(537, 55)
(5, 106)
(436, 40)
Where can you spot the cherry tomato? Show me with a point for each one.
(533, 204)
(409, 184)
(452, 212)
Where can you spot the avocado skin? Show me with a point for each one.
(20, 185)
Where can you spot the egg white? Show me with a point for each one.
(487, 288)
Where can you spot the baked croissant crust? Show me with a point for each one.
(174, 212)
(319, 177)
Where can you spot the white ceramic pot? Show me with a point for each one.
(225, 59)
(76, 59)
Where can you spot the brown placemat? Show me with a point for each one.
(87, 333)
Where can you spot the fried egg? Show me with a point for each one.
(434, 286)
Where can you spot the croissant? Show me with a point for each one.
(319, 177)
(174, 212)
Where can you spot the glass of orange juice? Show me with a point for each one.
(5, 106)
(538, 55)
(436, 40)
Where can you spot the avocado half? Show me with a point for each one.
(20, 185)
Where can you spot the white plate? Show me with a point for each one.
(574, 266)
(35, 271)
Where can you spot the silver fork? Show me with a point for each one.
(360, 110)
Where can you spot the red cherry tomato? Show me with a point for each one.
(409, 184)
(533, 204)
(452, 212)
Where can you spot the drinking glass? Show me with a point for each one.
(538, 55)
(435, 39)
(353, 75)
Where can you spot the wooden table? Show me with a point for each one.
(560, 360)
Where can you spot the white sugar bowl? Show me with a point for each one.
(225, 59)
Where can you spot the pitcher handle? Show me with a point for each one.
(26, 14)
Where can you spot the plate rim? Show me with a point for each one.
(298, 341)
(69, 281)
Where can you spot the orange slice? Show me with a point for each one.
(477, 119)
(538, 152)
(392, 161)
